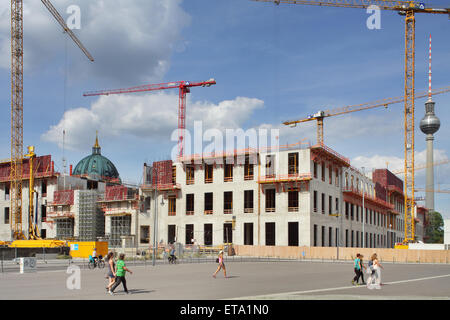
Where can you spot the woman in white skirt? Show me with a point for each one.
(374, 281)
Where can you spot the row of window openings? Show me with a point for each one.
(293, 233)
(353, 238)
(8, 190)
(6, 214)
(248, 169)
(293, 202)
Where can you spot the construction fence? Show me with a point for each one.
(334, 253)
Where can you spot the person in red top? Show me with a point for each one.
(221, 265)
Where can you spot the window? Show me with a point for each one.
(270, 233)
(248, 234)
(330, 236)
(248, 201)
(293, 163)
(293, 201)
(315, 201)
(189, 204)
(44, 213)
(315, 170)
(145, 234)
(190, 169)
(172, 205)
(315, 236)
(323, 170)
(337, 205)
(208, 234)
(270, 166)
(351, 211)
(323, 236)
(174, 174)
(208, 203)
(336, 179)
(248, 169)
(330, 204)
(44, 188)
(292, 233)
(330, 174)
(189, 234)
(228, 175)
(6, 218)
(227, 233)
(228, 202)
(208, 173)
(171, 233)
(323, 203)
(346, 237)
(6, 192)
(270, 200)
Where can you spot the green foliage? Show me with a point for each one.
(435, 228)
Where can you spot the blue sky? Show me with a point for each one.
(271, 63)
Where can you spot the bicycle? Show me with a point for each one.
(96, 263)
(172, 259)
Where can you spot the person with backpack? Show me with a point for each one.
(121, 269)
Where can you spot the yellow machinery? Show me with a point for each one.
(37, 244)
(83, 249)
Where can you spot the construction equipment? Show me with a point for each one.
(407, 9)
(17, 107)
(33, 233)
(320, 115)
(184, 88)
(423, 166)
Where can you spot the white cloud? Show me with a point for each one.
(131, 41)
(152, 116)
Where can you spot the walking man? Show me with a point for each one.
(121, 269)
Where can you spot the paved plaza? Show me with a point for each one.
(254, 280)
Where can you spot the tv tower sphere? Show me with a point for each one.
(430, 123)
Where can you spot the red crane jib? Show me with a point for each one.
(184, 88)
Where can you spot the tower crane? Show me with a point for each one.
(408, 9)
(424, 166)
(320, 115)
(17, 106)
(184, 88)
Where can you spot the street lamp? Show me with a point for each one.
(363, 211)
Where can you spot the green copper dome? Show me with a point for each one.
(96, 166)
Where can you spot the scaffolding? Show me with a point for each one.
(91, 219)
(64, 228)
(120, 226)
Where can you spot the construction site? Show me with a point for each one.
(253, 201)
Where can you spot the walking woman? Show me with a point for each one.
(221, 265)
(111, 270)
(357, 268)
(374, 281)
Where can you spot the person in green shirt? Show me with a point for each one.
(121, 269)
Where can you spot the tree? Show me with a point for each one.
(435, 228)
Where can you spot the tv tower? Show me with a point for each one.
(429, 125)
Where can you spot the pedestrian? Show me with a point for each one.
(221, 265)
(357, 269)
(121, 269)
(363, 267)
(111, 270)
(374, 281)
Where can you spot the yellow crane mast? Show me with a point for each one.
(407, 9)
(16, 174)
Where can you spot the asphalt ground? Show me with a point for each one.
(247, 280)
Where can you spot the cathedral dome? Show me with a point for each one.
(96, 166)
